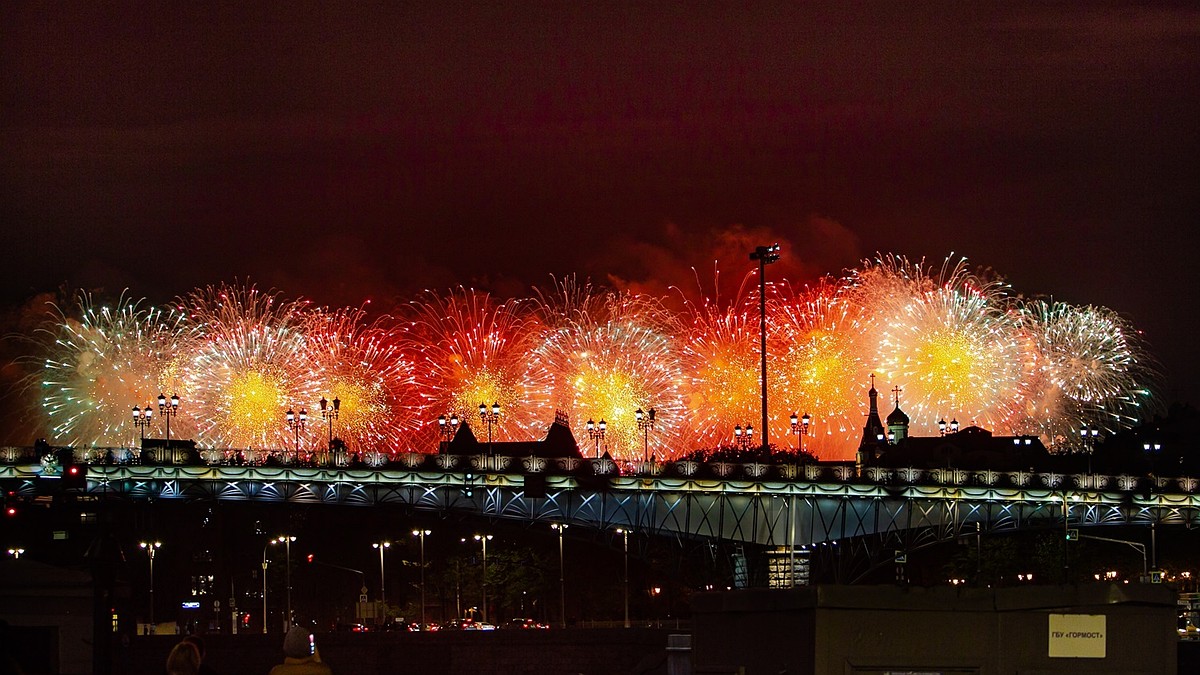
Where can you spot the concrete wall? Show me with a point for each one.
(877, 629)
(617, 651)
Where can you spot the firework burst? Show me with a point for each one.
(607, 355)
(720, 359)
(820, 367)
(101, 364)
(469, 350)
(945, 340)
(1087, 366)
(956, 344)
(361, 364)
(249, 366)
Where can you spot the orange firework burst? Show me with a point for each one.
(361, 364)
(721, 361)
(820, 369)
(608, 355)
(249, 366)
(467, 350)
(946, 340)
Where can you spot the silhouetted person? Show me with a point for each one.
(184, 659)
(198, 642)
(300, 655)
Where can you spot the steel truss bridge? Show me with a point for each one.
(865, 515)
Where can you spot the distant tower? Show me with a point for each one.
(897, 422)
(874, 436)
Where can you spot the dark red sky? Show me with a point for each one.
(340, 154)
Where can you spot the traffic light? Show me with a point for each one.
(74, 477)
(1072, 534)
(11, 504)
(310, 558)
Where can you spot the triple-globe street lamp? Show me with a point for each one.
(596, 433)
(168, 410)
(1089, 435)
(490, 417)
(141, 420)
(329, 414)
(447, 427)
(297, 423)
(953, 426)
(800, 428)
(743, 438)
(645, 424)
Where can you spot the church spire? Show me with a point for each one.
(873, 432)
(897, 421)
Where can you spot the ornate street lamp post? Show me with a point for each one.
(490, 417)
(645, 424)
(141, 420)
(447, 427)
(596, 433)
(765, 255)
(800, 428)
(297, 423)
(743, 438)
(168, 411)
(329, 414)
(1089, 436)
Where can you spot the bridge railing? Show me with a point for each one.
(31, 458)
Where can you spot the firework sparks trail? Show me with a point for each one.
(468, 350)
(100, 365)
(362, 364)
(608, 355)
(249, 366)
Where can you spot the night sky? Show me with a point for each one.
(345, 154)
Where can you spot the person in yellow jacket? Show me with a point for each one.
(300, 655)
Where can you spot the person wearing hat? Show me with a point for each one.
(300, 656)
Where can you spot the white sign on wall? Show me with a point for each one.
(1079, 636)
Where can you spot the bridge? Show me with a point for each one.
(871, 513)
